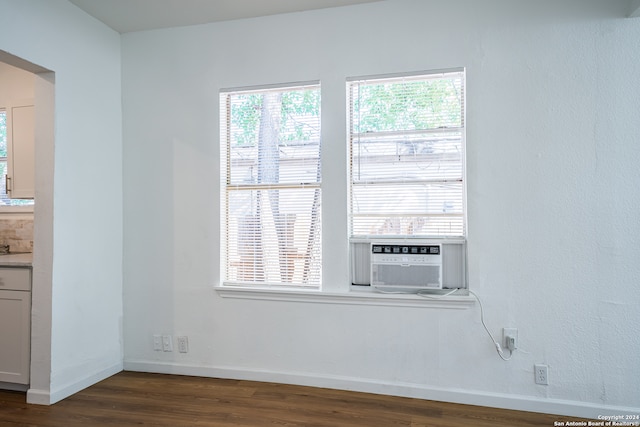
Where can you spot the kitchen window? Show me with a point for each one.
(6, 203)
(406, 138)
(271, 200)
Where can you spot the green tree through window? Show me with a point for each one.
(406, 139)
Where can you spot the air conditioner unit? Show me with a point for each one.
(411, 266)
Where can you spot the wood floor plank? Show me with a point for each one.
(141, 399)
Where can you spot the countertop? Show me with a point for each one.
(16, 260)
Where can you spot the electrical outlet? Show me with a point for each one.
(510, 338)
(157, 342)
(542, 374)
(183, 344)
(167, 343)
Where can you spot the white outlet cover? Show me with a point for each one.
(512, 332)
(183, 344)
(541, 373)
(157, 343)
(167, 343)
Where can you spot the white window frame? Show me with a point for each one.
(9, 209)
(310, 185)
(345, 295)
(354, 138)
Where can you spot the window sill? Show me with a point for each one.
(16, 210)
(458, 300)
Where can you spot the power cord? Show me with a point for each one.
(425, 294)
(496, 343)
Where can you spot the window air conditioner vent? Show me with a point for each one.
(409, 265)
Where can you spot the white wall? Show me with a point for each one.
(77, 289)
(553, 202)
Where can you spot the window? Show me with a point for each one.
(4, 197)
(407, 139)
(271, 177)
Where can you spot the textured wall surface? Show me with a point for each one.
(553, 204)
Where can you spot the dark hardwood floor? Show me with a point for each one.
(133, 399)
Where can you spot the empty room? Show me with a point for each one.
(427, 201)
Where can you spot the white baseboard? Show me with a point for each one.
(38, 397)
(468, 397)
(49, 397)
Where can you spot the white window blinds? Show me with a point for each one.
(407, 139)
(272, 186)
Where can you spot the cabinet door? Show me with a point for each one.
(20, 150)
(15, 336)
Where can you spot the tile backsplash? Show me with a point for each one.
(17, 233)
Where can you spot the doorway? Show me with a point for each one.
(42, 263)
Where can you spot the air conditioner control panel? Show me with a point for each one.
(402, 254)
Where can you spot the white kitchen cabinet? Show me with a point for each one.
(15, 325)
(20, 150)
